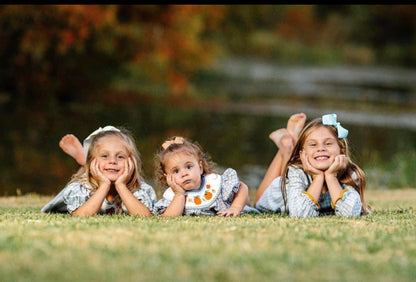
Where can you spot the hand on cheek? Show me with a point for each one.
(97, 173)
(175, 186)
(307, 166)
(340, 164)
(126, 173)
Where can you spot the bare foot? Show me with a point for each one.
(71, 145)
(282, 139)
(295, 125)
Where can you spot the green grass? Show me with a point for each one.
(44, 247)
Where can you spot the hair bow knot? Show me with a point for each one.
(175, 140)
(331, 119)
(87, 141)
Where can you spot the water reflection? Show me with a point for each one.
(377, 106)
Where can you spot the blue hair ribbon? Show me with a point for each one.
(331, 119)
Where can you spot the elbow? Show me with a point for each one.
(302, 213)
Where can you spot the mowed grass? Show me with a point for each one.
(268, 247)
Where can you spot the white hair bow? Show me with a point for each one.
(87, 141)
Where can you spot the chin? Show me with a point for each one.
(322, 167)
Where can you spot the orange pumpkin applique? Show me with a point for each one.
(208, 195)
(197, 200)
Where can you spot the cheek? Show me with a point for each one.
(100, 165)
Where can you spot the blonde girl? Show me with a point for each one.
(193, 187)
(111, 182)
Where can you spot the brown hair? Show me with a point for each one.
(346, 177)
(174, 145)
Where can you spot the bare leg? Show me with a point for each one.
(295, 125)
(284, 142)
(285, 139)
(71, 145)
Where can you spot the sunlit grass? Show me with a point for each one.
(44, 247)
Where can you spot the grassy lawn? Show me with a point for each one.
(44, 247)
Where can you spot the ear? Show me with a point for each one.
(201, 168)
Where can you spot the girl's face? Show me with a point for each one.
(185, 169)
(321, 148)
(112, 156)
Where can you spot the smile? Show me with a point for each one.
(321, 158)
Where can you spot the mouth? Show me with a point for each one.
(112, 170)
(186, 182)
(321, 158)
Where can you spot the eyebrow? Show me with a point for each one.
(326, 139)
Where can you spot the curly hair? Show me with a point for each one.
(174, 145)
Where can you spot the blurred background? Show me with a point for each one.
(222, 75)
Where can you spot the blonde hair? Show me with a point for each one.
(346, 177)
(175, 145)
(88, 181)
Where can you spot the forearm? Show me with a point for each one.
(334, 187)
(133, 205)
(315, 189)
(176, 207)
(241, 197)
(92, 206)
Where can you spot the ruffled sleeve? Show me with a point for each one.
(161, 205)
(230, 185)
(147, 195)
(75, 195)
(349, 203)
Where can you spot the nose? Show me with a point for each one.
(321, 147)
(184, 173)
(112, 159)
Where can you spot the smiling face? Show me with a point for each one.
(321, 148)
(185, 169)
(112, 155)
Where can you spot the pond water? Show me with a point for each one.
(377, 106)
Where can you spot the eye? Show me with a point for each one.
(189, 166)
(175, 171)
(104, 156)
(121, 157)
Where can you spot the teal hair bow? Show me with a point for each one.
(331, 119)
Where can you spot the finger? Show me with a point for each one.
(131, 165)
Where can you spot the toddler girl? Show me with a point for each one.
(111, 181)
(194, 186)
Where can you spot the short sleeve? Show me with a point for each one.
(161, 205)
(230, 185)
(75, 195)
(146, 194)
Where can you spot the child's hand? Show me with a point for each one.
(307, 167)
(97, 174)
(340, 164)
(229, 212)
(127, 172)
(175, 186)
